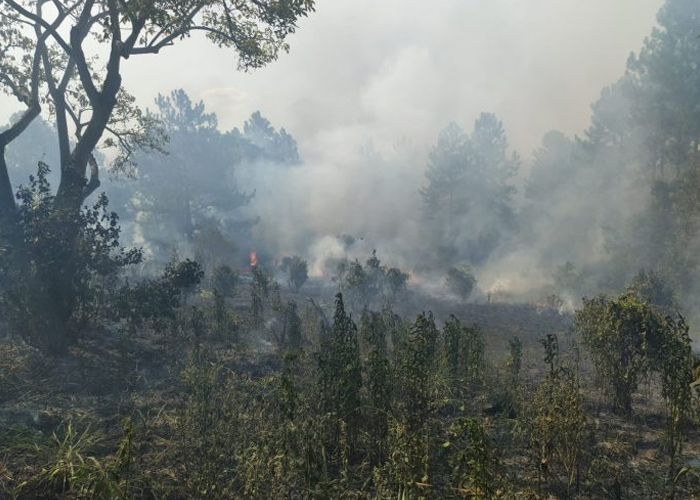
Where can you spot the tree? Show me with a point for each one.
(32, 301)
(225, 280)
(174, 199)
(648, 125)
(41, 62)
(278, 147)
(372, 281)
(415, 368)
(44, 60)
(460, 281)
(373, 331)
(464, 350)
(178, 198)
(653, 288)
(667, 89)
(676, 367)
(37, 143)
(396, 281)
(468, 199)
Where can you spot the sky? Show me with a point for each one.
(400, 70)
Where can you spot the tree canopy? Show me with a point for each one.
(468, 198)
(44, 63)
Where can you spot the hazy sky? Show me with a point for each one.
(395, 69)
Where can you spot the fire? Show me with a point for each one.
(253, 258)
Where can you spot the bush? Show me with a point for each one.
(50, 289)
(225, 280)
(371, 281)
(157, 299)
(297, 270)
(625, 336)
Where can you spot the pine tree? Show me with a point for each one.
(468, 199)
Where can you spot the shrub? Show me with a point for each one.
(225, 280)
(623, 335)
(49, 289)
(297, 270)
(155, 300)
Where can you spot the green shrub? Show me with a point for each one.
(225, 280)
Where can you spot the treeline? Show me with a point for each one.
(598, 208)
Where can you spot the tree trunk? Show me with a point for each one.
(7, 197)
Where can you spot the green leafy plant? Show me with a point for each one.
(50, 291)
(225, 280)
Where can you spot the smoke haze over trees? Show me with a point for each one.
(407, 264)
(614, 199)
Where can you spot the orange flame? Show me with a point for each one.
(253, 258)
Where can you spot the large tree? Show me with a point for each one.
(468, 199)
(44, 60)
(193, 185)
(667, 90)
(67, 57)
(193, 193)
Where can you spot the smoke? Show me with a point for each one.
(368, 195)
(365, 91)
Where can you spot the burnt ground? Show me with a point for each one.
(111, 375)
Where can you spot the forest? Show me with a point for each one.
(191, 309)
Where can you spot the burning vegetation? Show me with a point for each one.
(224, 317)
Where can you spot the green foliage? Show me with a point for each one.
(629, 338)
(378, 373)
(297, 270)
(471, 459)
(460, 281)
(44, 65)
(207, 429)
(557, 428)
(676, 367)
(293, 328)
(550, 343)
(291, 360)
(515, 359)
(340, 373)
(371, 282)
(51, 289)
(464, 349)
(224, 323)
(263, 291)
(71, 471)
(409, 432)
(652, 287)
(621, 334)
(184, 275)
(396, 281)
(225, 280)
(176, 200)
(154, 301)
